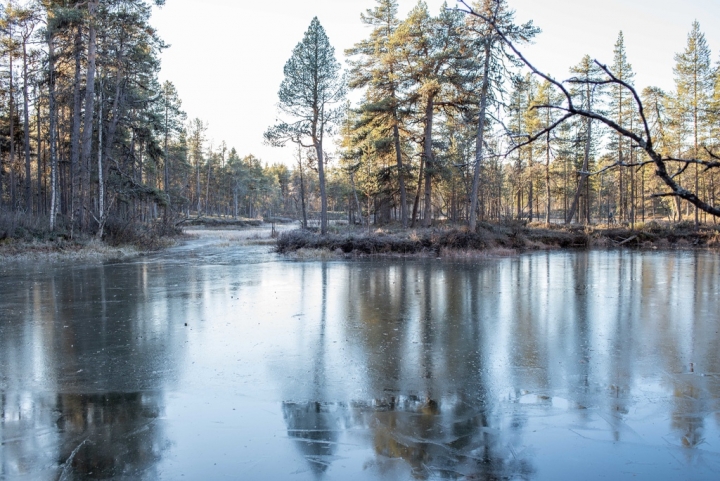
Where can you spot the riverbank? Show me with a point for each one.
(60, 249)
(493, 239)
(63, 250)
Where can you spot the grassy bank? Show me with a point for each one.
(493, 239)
(29, 238)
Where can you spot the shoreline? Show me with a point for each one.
(492, 240)
(456, 243)
(92, 250)
(65, 250)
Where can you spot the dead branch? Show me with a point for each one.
(645, 142)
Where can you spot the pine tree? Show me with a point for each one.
(586, 92)
(376, 67)
(312, 85)
(494, 70)
(694, 82)
(173, 119)
(545, 98)
(433, 51)
(621, 110)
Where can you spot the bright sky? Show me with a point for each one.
(226, 56)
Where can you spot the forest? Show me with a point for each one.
(453, 126)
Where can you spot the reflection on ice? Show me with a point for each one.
(222, 361)
(446, 438)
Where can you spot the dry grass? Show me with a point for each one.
(61, 251)
(498, 239)
(314, 254)
(235, 237)
(470, 254)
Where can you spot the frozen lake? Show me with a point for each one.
(219, 360)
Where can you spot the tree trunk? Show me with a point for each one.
(548, 200)
(26, 129)
(39, 202)
(88, 120)
(480, 139)
(76, 121)
(401, 173)
(323, 194)
(207, 185)
(11, 116)
(166, 168)
(302, 190)
(52, 114)
(530, 199)
(416, 204)
(583, 175)
(197, 182)
(429, 162)
(357, 201)
(101, 181)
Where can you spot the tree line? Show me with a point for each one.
(90, 139)
(453, 113)
(454, 124)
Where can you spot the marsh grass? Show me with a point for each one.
(497, 239)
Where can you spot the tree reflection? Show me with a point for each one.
(108, 435)
(446, 438)
(86, 333)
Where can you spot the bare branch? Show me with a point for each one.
(641, 110)
(645, 143)
(704, 163)
(533, 138)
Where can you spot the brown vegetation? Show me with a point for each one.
(498, 239)
(29, 237)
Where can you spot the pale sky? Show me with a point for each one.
(226, 56)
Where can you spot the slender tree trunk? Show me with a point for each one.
(52, 114)
(480, 139)
(401, 174)
(429, 161)
(101, 181)
(548, 200)
(198, 190)
(26, 132)
(302, 189)
(530, 199)
(89, 110)
(697, 175)
(207, 186)
(166, 168)
(583, 174)
(11, 116)
(416, 204)
(39, 201)
(321, 179)
(76, 121)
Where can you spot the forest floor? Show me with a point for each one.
(492, 239)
